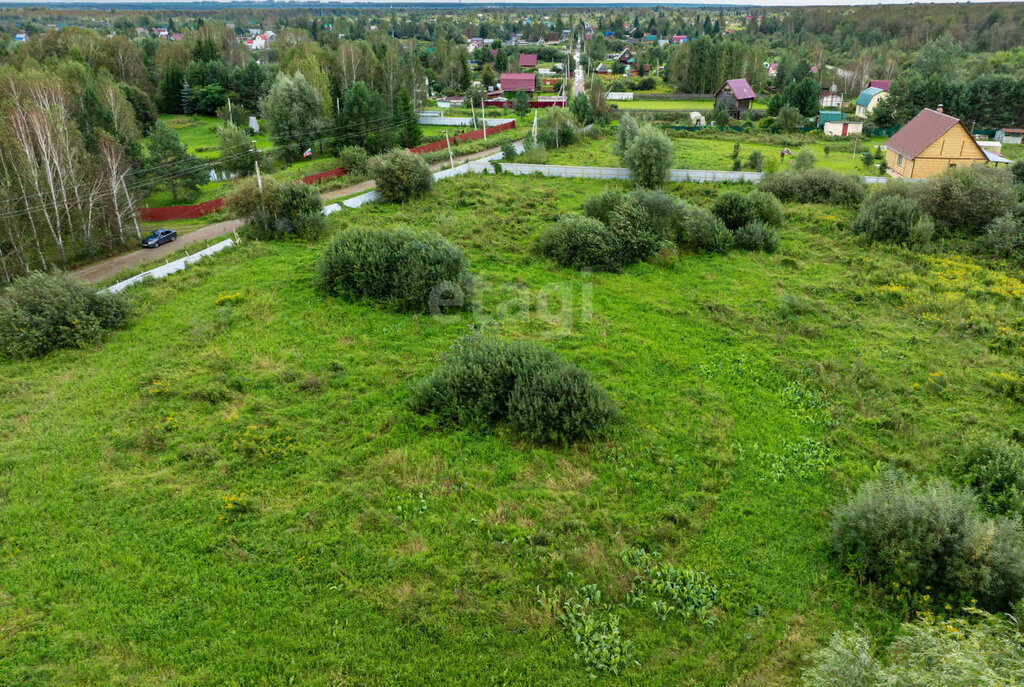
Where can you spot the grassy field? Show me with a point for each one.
(199, 134)
(238, 493)
(703, 153)
(681, 105)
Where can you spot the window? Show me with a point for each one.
(899, 161)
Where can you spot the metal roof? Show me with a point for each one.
(864, 99)
(741, 90)
(518, 82)
(920, 132)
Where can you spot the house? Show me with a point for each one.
(269, 36)
(830, 98)
(1014, 136)
(626, 56)
(843, 128)
(931, 143)
(511, 83)
(880, 83)
(602, 69)
(257, 43)
(869, 99)
(528, 60)
(21, 36)
(737, 95)
(679, 38)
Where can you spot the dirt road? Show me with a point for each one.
(106, 269)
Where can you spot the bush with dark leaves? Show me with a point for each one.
(816, 185)
(582, 242)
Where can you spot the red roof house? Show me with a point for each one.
(511, 83)
(880, 83)
(737, 95)
(528, 61)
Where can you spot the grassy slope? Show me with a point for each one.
(384, 549)
(700, 153)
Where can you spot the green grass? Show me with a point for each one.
(687, 105)
(703, 153)
(379, 547)
(199, 134)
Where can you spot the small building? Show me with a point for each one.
(737, 95)
(1010, 136)
(830, 98)
(21, 36)
(626, 56)
(880, 83)
(826, 116)
(679, 38)
(931, 143)
(512, 83)
(868, 100)
(843, 128)
(528, 60)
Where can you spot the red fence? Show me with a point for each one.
(194, 211)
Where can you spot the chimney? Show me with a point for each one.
(939, 108)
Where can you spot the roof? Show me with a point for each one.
(527, 59)
(1013, 131)
(741, 90)
(864, 99)
(880, 83)
(829, 116)
(518, 82)
(920, 132)
(995, 157)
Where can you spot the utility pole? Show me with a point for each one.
(451, 159)
(230, 118)
(472, 109)
(256, 157)
(483, 115)
(535, 127)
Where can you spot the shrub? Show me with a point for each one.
(416, 272)
(738, 209)
(756, 236)
(582, 242)
(1004, 236)
(509, 152)
(814, 186)
(701, 231)
(44, 312)
(755, 161)
(981, 650)
(641, 222)
(282, 210)
(542, 397)
(649, 157)
(767, 208)
(891, 219)
(994, 468)
(929, 539)
(967, 199)
(601, 206)
(401, 176)
(353, 158)
(804, 160)
(626, 132)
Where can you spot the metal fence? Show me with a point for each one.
(462, 121)
(171, 267)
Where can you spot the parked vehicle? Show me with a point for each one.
(159, 237)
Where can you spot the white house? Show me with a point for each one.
(841, 128)
(869, 99)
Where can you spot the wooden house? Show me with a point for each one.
(737, 95)
(929, 144)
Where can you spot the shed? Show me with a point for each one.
(929, 144)
(843, 128)
(511, 83)
(830, 98)
(528, 60)
(737, 95)
(1011, 136)
(829, 116)
(869, 99)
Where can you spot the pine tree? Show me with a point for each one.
(410, 134)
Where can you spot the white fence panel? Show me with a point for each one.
(619, 96)
(460, 121)
(171, 267)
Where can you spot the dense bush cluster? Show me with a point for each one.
(930, 538)
(816, 185)
(540, 395)
(890, 218)
(44, 312)
(281, 210)
(994, 468)
(417, 272)
(582, 242)
(648, 157)
(401, 176)
(964, 200)
(738, 209)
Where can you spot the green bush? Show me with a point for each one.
(756, 236)
(891, 218)
(814, 186)
(994, 468)
(767, 208)
(929, 539)
(1004, 236)
(508, 152)
(353, 158)
(641, 222)
(649, 157)
(44, 312)
(702, 232)
(625, 133)
(582, 242)
(601, 206)
(755, 161)
(540, 395)
(414, 271)
(281, 210)
(734, 209)
(804, 160)
(401, 176)
(966, 199)
(981, 650)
